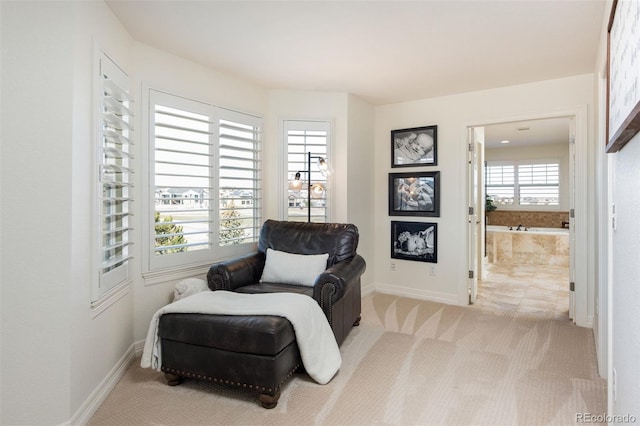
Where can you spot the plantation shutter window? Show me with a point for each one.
(205, 178)
(115, 176)
(239, 168)
(181, 132)
(301, 138)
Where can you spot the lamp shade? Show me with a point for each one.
(296, 183)
(324, 166)
(317, 190)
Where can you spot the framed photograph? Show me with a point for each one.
(414, 147)
(414, 194)
(414, 241)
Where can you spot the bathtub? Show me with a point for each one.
(536, 246)
(560, 231)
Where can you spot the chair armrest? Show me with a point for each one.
(332, 284)
(234, 273)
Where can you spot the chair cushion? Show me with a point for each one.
(290, 268)
(254, 334)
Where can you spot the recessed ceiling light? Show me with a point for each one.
(505, 141)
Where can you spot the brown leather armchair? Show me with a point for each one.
(337, 290)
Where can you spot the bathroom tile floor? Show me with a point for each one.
(525, 289)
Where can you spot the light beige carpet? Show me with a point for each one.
(410, 362)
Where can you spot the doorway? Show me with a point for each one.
(521, 218)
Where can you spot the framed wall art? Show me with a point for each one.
(414, 241)
(414, 194)
(414, 147)
(623, 69)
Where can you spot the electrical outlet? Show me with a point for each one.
(432, 271)
(392, 266)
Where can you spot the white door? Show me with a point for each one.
(572, 210)
(474, 170)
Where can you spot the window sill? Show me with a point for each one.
(165, 275)
(110, 298)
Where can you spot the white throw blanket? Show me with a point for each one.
(188, 287)
(318, 348)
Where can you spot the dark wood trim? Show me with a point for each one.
(627, 131)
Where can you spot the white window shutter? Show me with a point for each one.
(115, 176)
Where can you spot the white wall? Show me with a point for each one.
(36, 221)
(625, 284)
(360, 189)
(54, 351)
(452, 114)
(559, 151)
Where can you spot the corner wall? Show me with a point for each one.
(360, 178)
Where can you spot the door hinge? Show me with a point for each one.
(471, 274)
(471, 211)
(470, 147)
(572, 213)
(572, 286)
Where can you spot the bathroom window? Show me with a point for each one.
(500, 182)
(524, 183)
(539, 184)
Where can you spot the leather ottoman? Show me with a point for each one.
(255, 352)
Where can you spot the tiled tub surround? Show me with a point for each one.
(533, 247)
(554, 219)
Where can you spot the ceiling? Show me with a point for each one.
(525, 133)
(382, 51)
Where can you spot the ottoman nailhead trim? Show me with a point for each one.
(228, 382)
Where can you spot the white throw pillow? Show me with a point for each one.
(289, 268)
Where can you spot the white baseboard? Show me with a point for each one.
(100, 393)
(138, 347)
(433, 296)
(367, 289)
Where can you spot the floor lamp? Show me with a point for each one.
(317, 189)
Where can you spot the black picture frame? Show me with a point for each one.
(414, 147)
(414, 194)
(417, 241)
